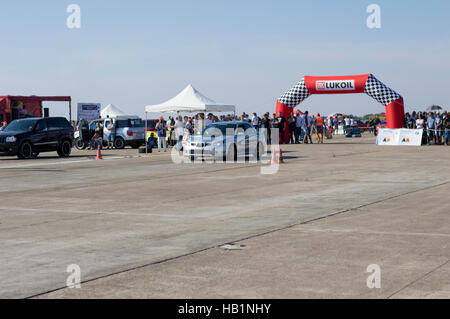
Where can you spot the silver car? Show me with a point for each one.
(129, 131)
(226, 141)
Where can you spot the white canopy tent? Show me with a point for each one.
(111, 111)
(190, 100)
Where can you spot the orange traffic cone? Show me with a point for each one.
(274, 157)
(280, 157)
(99, 153)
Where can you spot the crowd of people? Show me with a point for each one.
(298, 128)
(436, 126)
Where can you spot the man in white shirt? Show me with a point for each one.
(200, 123)
(255, 120)
(179, 132)
(347, 123)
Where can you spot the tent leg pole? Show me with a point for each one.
(70, 111)
(145, 135)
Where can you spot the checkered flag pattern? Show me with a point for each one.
(379, 91)
(296, 95)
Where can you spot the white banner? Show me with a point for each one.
(89, 111)
(336, 85)
(399, 137)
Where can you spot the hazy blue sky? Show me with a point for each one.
(133, 53)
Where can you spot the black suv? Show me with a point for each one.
(26, 138)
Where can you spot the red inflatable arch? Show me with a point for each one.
(366, 83)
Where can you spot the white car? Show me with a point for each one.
(226, 141)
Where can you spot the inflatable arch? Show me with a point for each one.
(366, 83)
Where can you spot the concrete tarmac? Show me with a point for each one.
(144, 227)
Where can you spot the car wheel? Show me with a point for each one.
(64, 149)
(80, 144)
(25, 151)
(231, 155)
(119, 143)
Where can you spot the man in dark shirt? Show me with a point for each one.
(265, 125)
(447, 128)
(292, 121)
(281, 125)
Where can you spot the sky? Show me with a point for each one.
(242, 52)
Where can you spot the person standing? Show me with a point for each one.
(209, 120)
(265, 125)
(447, 128)
(431, 126)
(292, 126)
(99, 132)
(439, 128)
(420, 122)
(375, 123)
(162, 134)
(171, 132)
(179, 132)
(336, 125)
(409, 123)
(111, 129)
(200, 124)
(320, 124)
(255, 121)
(347, 123)
(307, 128)
(298, 128)
(281, 124)
(189, 127)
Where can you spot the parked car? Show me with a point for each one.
(226, 141)
(151, 125)
(130, 131)
(26, 138)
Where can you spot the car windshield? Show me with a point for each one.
(20, 126)
(212, 129)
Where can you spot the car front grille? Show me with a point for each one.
(2, 140)
(198, 144)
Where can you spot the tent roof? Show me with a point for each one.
(111, 111)
(190, 100)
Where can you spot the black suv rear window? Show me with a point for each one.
(57, 124)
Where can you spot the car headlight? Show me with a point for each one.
(11, 139)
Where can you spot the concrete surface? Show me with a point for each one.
(145, 227)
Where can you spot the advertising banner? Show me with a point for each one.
(399, 137)
(89, 111)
